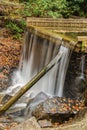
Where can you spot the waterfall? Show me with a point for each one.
(82, 67)
(62, 71)
(35, 55)
(75, 82)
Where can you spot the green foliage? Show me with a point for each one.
(45, 8)
(54, 8)
(77, 7)
(16, 28)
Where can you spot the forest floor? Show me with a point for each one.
(10, 50)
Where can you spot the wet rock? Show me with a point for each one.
(6, 123)
(3, 81)
(16, 110)
(23, 99)
(41, 97)
(81, 114)
(58, 109)
(80, 84)
(77, 87)
(1, 68)
(5, 98)
(1, 97)
(45, 123)
(1, 126)
(85, 97)
(30, 124)
(15, 113)
(6, 119)
(19, 119)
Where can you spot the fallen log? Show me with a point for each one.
(30, 84)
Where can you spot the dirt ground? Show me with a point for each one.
(10, 50)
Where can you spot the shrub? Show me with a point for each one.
(45, 8)
(55, 8)
(16, 28)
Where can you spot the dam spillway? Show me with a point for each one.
(42, 43)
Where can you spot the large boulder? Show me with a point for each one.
(33, 103)
(57, 108)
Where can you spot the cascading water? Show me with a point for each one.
(82, 67)
(36, 54)
(80, 79)
(75, 82)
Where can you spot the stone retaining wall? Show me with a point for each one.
(75, 25)
(51, 27)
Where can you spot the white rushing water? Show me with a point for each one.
(36, 54)
(82, 67)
